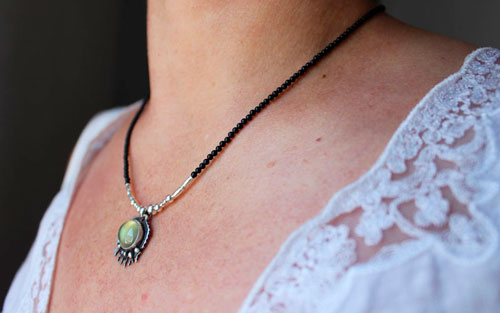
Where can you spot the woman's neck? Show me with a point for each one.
(212, 58)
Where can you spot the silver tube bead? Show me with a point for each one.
(181, 188)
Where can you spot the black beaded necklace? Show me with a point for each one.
(133, 234)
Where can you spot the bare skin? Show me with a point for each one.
(210, 62)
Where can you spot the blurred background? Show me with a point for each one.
(63, 61)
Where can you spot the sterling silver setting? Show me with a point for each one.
(127, 256)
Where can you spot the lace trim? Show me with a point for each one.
(425, 189)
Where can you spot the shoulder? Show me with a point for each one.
(420, 56)
(446, 75)
(408, 66)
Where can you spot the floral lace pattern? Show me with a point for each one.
(427, 187)
(436, 188)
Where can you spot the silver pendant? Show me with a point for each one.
(132, 238)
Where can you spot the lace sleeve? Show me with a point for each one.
(434, 193)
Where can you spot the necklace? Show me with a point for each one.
(133, 234)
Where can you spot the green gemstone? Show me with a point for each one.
(130, 234)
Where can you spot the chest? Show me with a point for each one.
(209, 247)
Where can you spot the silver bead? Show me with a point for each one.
(177, 192)
(154, 209)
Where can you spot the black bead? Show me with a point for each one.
(214, 152)
(198, 170)
(244, 121)
(218, 149)
(227, 140)
(230, 134)
(222, 143)
(235, 130)
(288, 82)
(210, 156)
(266, 101)
(283, 86)
(270, 98)
(205, 162)
(258, 108)
(194, 174)
(252, 112)
(202, 166)
(279, 89)
(239, 126)
(301, 71)
(275, 94)
(249, 117)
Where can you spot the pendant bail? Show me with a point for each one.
(145, 212)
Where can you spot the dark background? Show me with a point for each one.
(63, 61)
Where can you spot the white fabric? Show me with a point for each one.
(436, 185)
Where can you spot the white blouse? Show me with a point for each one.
(437, 183)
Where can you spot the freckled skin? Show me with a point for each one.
(209, 247)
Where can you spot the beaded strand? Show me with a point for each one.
(153, 209)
